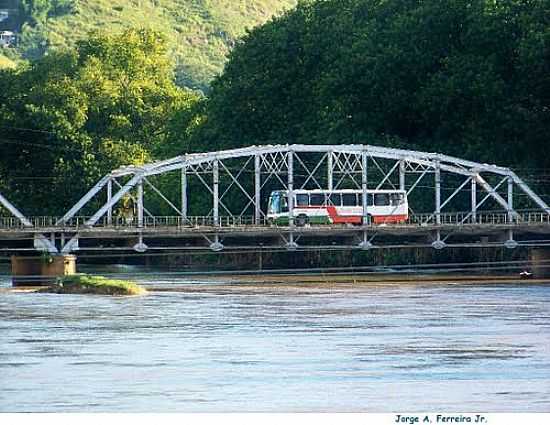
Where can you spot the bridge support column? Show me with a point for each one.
(540, 262)
(39, 271)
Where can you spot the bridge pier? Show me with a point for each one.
(540, 262)
(38, 271)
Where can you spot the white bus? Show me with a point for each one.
(338, 207)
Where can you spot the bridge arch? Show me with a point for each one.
(339, 164)
(250, 172)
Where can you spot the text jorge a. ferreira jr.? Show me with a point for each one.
(439, 419)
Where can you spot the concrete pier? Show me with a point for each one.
(37, 271)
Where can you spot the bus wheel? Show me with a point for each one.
(302, 220)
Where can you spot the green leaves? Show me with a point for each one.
(73, 116)
(465, 77)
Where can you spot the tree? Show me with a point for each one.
(467, 77)
(71, 117)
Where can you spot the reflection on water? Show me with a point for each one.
(377, 349)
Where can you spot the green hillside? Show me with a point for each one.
(201, 32)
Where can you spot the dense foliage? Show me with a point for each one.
(465, 77)
(200, 33)
(74, 115)
(36, 11)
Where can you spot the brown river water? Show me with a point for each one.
(221, 346)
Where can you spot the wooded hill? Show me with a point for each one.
(200, 33)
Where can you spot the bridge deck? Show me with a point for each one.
(194, 233)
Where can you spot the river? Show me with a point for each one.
(274, 348)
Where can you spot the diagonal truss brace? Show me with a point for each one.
(41, 243)
(14, 211)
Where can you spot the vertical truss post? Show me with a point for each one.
(402, 174)
(510, 199)
(184, 194)
(364, 183)
(437, 193)
(216, 192)
(140, 202)
(257, 189)
(330, 166)
(109, 197)
(365, 244)
(510, 242)
(474, 199)
(290, 186)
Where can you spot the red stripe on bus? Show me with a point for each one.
(357, 219)
(341, 219)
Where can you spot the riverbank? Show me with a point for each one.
(312, 282)
(319, 282)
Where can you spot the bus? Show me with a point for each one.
(338, 207)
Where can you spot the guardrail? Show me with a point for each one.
(428, 219)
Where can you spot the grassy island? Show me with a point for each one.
(98, 285)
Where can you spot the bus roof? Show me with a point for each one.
(322, 191)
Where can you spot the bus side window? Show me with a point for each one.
(396, 199)
(302, 200)
(349, 200)
(370, 199)
(381, 199)
(335, 199)
(316, 200)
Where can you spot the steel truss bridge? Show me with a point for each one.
(217, 201)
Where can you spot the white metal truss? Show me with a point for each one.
(14, 211)
(341, 166)
(41, 243)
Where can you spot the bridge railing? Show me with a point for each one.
(525, 217)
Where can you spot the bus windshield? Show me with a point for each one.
(274, 203)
